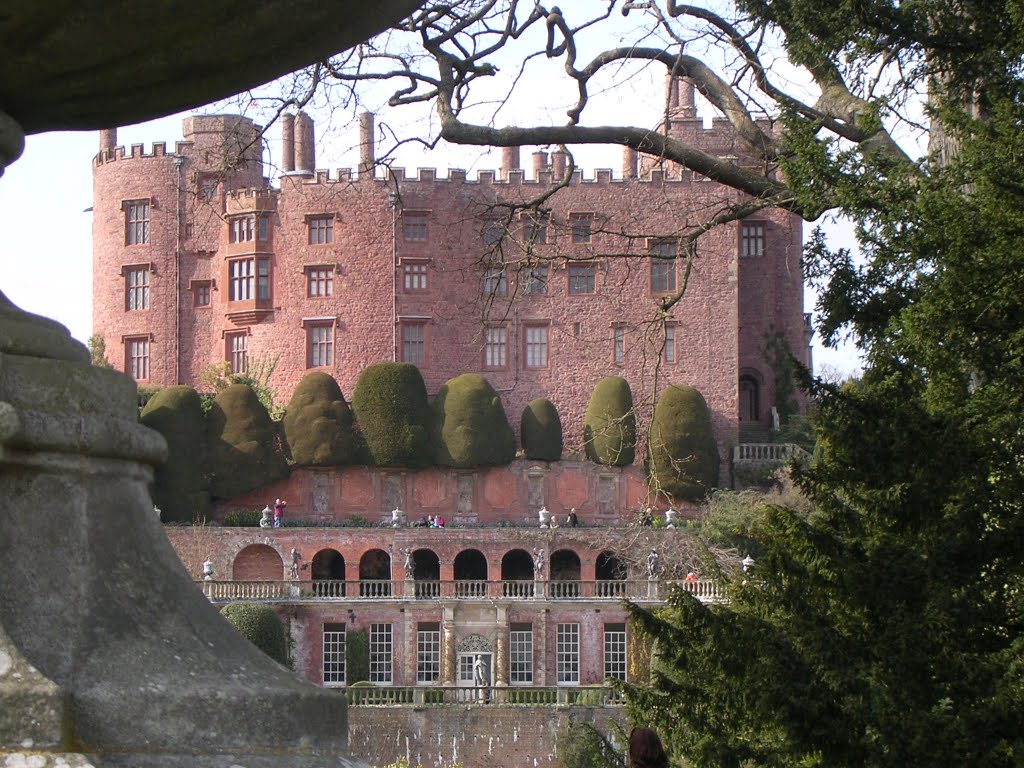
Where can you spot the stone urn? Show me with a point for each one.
(544, 516)
(670, 517)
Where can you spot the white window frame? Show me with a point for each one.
(381, 654)
(520, 654)
(615, 650)
(333, 663)
(428, 653)
(567, 653)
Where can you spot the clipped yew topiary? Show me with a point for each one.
(260, 626)
(683, 456)
(393, 416)
(242, 443)
(470, 426)
(318, 423)
(609, 427)
(541, 431)
(180, 487)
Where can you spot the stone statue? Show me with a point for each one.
(265, 521)
(653, 564)
(538, 562)
(410, 563)
(293, 569)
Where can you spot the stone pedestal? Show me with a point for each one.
(109, 655)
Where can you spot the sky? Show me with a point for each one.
(45, 197)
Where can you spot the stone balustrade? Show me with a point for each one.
(439, 696)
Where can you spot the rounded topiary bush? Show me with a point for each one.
(609, 426)
(683, 456)
(541, 431)
(393, 416)
(470, 426)
(243, 444)
(180, 486)
(318, 423)
(260, 626)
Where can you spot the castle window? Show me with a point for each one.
(262, 228)
(242, 229)
(619, 345)
(615, 651)
(414, 342)
(319, 282)
(669, 353)
(567, 653)
(535, 230)
(208, 187)
(752, 238)
(334, 654)
(428, 652)
(381, 654)
(136, 357)
(414, 275)
(321, 230)
(136, 288)
(201, 295)
(520, 654)
(319, 345)
(236, 347)
(495, 347)
(537, 279)
(492, 233)
(494, 282)
(249, 279)
(580, 225)
(582, 277)
(414, 225)
(136, 222)
(663, 267)
(536, 346)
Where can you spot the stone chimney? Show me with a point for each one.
(367, 145)
(540, 163)
(681, 104)
(108, 139)
(287, 143)
(509, 161)
(558, 165)
(630, 158)
(305, 152)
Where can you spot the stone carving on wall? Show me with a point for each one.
(534, 489)
(475, 644)
(606, 493)
(320, 492)
(393, 492)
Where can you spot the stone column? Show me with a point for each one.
(448, 646)
(501, 643)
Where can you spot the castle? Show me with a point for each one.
(199, 260)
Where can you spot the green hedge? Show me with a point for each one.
(682, 454)
(180, 486)
(318, 423)
(393, 416)
(609, 426)
(541, 431)
(470, 426)
(260, 626)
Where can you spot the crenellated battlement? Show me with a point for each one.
(158, 149)
(251, 200)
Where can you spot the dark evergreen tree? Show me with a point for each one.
(609, 426)
(318, 423)
(683, 457)
(393, 415)
(470, 426)
(181, 486)
(243, 444)
(540, 430)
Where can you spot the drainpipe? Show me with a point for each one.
(393, 199)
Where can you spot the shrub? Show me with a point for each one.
(357, 657)
(260, 626)
(541, 431)
(243, 518)
(470, 427)
(180, 486)
(318, 423)
(393, 415)
(242, 443)
(682, 453)
(609, 427)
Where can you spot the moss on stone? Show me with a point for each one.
(541, 431)
(180, 487)
(243, 444)
(393, 416)
(609, 426)
(682, 454)
(470, 426)
(318, 423)
(260, 626)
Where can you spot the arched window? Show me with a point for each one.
(470, 573)
(426, 572)
(375, 574)
(611, 575)
(517, 574)
(565, 574)
(328, 573)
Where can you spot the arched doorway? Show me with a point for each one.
(611, 575)
(426, 573)
(261, 569)
(565, 574)
(375, 574)
(470, 573)
(328, 573)
(517, 574)
(750, 399)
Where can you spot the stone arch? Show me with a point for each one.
(517, 565)
(609, 567)
(565, 565)
(328, 565)
(426, 565)
(470, 565)
(257, 562)
(375, 565)
(475, 644)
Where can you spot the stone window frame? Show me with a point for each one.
(320, 276)
(618, 343)
(137, 218)
(670, 353)
(495, 350)
(663, 272)
(581, 278)
(407, 341)
(416, 226)
(320, 352)
(534, 347)
(236, 350)
(581, 227)
(201, 289)
(753, 238)
(414, 275)
(494, 282)
(320, 228)
(137, 295)
(143, 342)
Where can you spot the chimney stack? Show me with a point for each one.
(305, 152)
(629, 162)
(108, 139)
(367, 145)
(540, 163)
(680, 98)
(509, 161)
(558, 165)
(288, 142)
